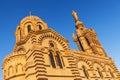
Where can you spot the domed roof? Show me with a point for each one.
(29, 23)
(31, 18)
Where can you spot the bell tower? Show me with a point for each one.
(86, 39)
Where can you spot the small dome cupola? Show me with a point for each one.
(29, 23)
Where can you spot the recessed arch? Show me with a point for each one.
(81, 64)
(21, 50)
(83, 67)
(27, 27)
(97, 65)
(40, 26)
(10, 70)
(98, 68)
(53, 37)
(107, 68)
(110, 70)
(85, 61)
(19, 68)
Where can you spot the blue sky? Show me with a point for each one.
(102, 15)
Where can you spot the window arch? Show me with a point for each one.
(19, 68)
(111, 73)
(100, 73)
(98, 69)
(85, 71)
(58, 60)
(52, 59)
(110, 70)
(29, 28)
(40, 27)
(10, 70)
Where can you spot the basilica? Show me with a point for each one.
(40, 53)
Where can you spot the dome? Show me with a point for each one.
(29, 23)
(34, 20)
(31, 18)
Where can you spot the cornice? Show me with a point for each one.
(31, 33)
(80, 54)
(16, 75)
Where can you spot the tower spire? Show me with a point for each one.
(78, 23)
(75, 16)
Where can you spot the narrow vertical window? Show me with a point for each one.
(40, 27)
(29, 28)
(10, 70)
(87, 40)
(100, 73)
(80, 44)
(52, 60)
(20, 32)
(58, 60)
(85, 72)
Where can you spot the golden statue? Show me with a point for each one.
(75, 16)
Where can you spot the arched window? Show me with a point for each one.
(19, 68)
(10, 70)
(40, 27)
(29, 28)
(20, 32)
(52, 60)
(85, 72)
(100, 73)
(58, 60)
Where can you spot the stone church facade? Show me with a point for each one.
(40, 53)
